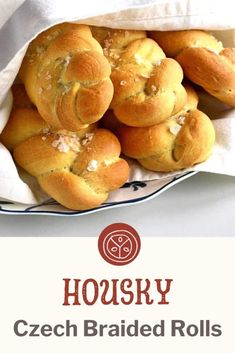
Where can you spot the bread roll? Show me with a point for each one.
(147, 85)
(203, 59)
(67, 77)
(78, 169)
(183, 140)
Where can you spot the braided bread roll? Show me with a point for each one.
(203, 59)
(77, 169)
(147, 85)
(67, 77)
(180, 142)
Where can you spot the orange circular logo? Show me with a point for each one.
(119, 244)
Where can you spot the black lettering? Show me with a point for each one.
(16, 328)
(132, 330)
(102, 327)
(33, 331)
(69, 327)
(56, 333)
(192, 330)
(46, 330)
(159, 330)
(177, 327)
(145, 330)
(90, 328)
(216, 330)
(113, 330)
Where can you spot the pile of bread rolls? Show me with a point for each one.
(89, 94)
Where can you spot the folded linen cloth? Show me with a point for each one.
(21, 21)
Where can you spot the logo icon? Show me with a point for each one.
(119, 244)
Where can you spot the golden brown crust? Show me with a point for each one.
(23, 123)
(203, 60)
(64, 72)
(37, 48)
(180, 142)
(158, 149)
(173, 42)
(192, 99)
(71, 190)
(38, 156)
(109, 120)
(215, 73)
(78, 180)
(147, 85)
(77, 169)
(115, 41)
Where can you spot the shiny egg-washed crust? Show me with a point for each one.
(147, 85)
(67, 76)
(79, 177)
(22, 124)
(24, 120)
(203, 59)
(180, 142)
(109, 120)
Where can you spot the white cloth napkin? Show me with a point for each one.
(21, 21)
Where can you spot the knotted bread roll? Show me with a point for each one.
(147, 85)
(180, 142)
(203, 59)
(67, 77)
(78, 169)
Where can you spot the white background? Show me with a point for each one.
(203, 205)
(32, 289)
